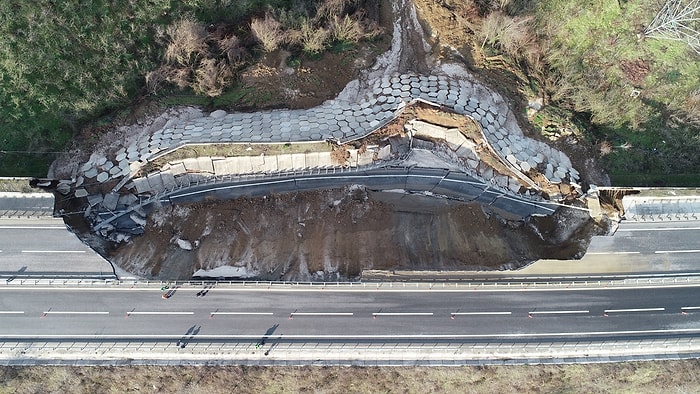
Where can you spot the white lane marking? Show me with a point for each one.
(321, 314)
(402, 314)
(361, 336)
(688, 308)
(658, 229)
(678, 251)
(613, 253)
(556, 312)
(159, 313)
(34, 227)
(11, 312)
(241, 313)
(75, 313)
(635, 310)
(479, 313)
(53, 251)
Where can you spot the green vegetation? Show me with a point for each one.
(642, 94)
(64, 64)
(638, 97)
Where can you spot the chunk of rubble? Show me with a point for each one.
(138, 219)
(219, 113)
(79, 193)
(184, 244)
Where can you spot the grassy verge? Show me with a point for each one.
(641, 93)
(17, 185)
(637, 377)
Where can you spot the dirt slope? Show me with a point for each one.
(335, 234)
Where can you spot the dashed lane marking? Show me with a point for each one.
(557, 312)
(635, 310)
(53, 251)
(677, 251)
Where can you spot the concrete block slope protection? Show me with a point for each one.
(343, 121)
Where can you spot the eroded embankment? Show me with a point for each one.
(335, 234)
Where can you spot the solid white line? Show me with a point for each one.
(402, 314)
(613, 253)
(11, 312)
(479, 313)
(555, 312)
(34, 227)
(241, 313)
(53, 251)
(678, 251)
(321, 314)
(658, 229)
(160, 313)
(634, 310)
(74, 313)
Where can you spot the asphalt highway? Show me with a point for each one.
(383, 315)
(44, 247)
(636, 249)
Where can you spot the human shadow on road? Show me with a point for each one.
(265, 337)
(191, 332)
(14, 276)
(205, 290)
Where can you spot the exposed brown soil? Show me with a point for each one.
(273, 84)
(335, 234)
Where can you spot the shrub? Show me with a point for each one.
(692, 107)
(268, 32)
(345, 29)
(230, 47)
(187, 42)
(329, 9)
(211, 77)
(511, 34)
(313, 39)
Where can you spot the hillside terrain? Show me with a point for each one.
(76, 73)
(580, 76)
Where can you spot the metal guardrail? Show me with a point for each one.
(464, 285)
(199, 350)
(213, 180)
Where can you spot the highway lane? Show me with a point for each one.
(387, 314)
(635, 249)
(35, 247)
(668, 246)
